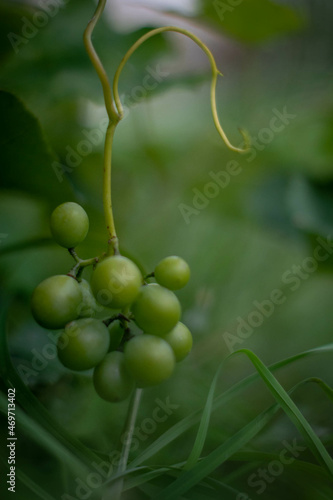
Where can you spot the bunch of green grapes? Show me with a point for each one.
(121, 360)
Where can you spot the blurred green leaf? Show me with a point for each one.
(252, 21)
(10, 23)
(63, 67)
(24, 153)
(310, 205)
(295, 205)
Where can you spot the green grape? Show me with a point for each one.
(156, 310)
(172, 272)
(83, 344)
(56, 301)
(69, 224)
(116, 332)
(116, 282)
(112, 380)
(150, 359)
(89, 306)
(180, 339)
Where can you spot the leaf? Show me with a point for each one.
(63, 69)
(25, 245)
(252, 21)
(310, 205)
(28, 162)
(10, 23)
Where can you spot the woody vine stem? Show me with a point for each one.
(115, 113)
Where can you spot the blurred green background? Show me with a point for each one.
(276, 58)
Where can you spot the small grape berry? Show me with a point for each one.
(116, 282)
(172, 272)
(83, 344)
(56, 301)
(156, 310)
(180, 339)
(112, 380)
(150, 359)
(69, 224)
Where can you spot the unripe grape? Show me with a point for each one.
(69, 224)
(116, 334)
(150, 359)
(156, 310)
(56, 301)
(180, 339)
(116, 282)
(112, 380)
(172, 272)
(83, 344)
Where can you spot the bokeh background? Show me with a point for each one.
(276, 58)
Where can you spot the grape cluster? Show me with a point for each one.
(121, 360)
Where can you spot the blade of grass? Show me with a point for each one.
(189, 421)
(204, 422)
(261, 457)
(205, 419)
(311, 470)
(213, 485)
(207, 465)
(292, 411)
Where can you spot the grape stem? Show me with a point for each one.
(150, 275)
(80, 263)
(125, 443)
(114, 118)
(119, 316)
(115, 111)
